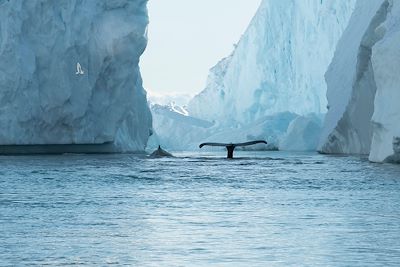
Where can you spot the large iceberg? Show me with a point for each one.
(69, 74)
(363, 83)
(278, 65)
(386, 64)
(351, 83)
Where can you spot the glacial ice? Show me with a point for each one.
(351, 84)
(386, 64)
(209, 103)
(363, 85)
(302, 134)
(43, 99)
(278, 65)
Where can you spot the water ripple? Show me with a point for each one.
(260, 209)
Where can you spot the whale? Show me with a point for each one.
(231, 147)
(161, 153)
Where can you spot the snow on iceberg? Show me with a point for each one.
(43, 100)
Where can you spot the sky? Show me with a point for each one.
(187, 38)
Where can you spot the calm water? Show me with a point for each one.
(265, 209)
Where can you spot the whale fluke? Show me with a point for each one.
(231, 147)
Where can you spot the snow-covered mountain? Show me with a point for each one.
(48, 98)
(363, 85)
(279, 63)
(175, 129)
(178, 100)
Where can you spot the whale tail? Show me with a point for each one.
(231, 147)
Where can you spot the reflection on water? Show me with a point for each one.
(263, 209)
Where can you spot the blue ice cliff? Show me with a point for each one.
(363, 85)
(69, 73)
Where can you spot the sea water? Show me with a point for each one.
(261, 209)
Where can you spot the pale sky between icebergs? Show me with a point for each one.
(187, 38)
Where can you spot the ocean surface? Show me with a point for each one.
(261, 209)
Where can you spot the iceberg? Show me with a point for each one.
(363, 85)
(351, 83)
(209, 103)
(302, 134)
(278, 65)
(69, 74)
(385, 144)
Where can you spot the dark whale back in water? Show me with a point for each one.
(160, 153)
(231, 147)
